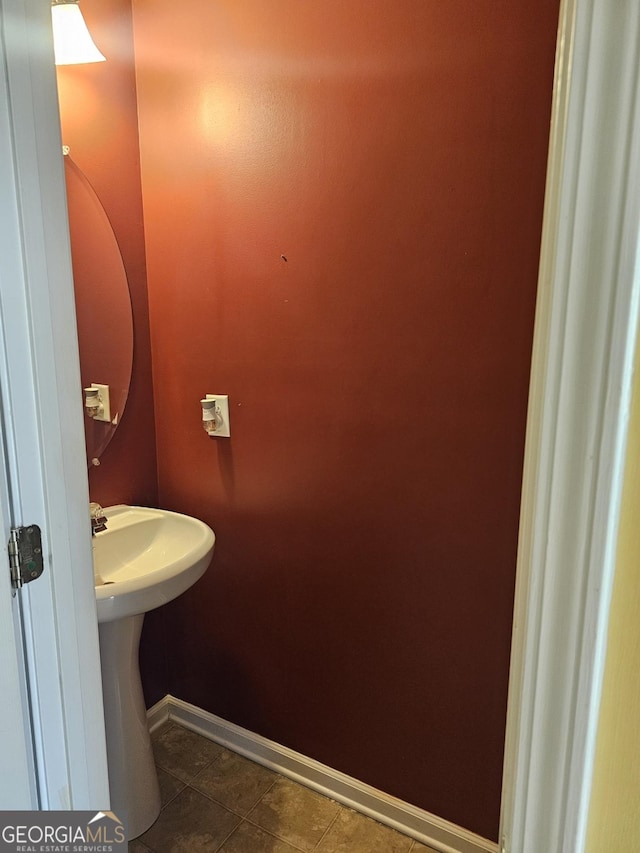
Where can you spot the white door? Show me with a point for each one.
(17, 766)
(53, 746)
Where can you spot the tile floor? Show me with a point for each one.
(215, 800)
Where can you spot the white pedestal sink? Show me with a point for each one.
(143, 559)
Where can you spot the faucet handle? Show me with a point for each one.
(98, 518)
(95, 510)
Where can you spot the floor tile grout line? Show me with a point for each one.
(275, 835)
(170, 773)
(191, 776)
(209, 796)
(225, 806)
(175, 793)
(192, 785)
(172, 798)
(254, 822)
(171, 725)
(160, 731)
(217, 802)
(331, 823)
(262, 796)
(272, 834)
(229, 835)
(194, 777)
(247, 818)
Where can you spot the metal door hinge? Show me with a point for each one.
(25, 555)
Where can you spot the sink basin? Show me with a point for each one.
(145, 558)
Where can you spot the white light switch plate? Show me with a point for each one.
(223, 428)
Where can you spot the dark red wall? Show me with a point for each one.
(98, 112)
(343, 206)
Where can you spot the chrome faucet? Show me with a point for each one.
(98, 518)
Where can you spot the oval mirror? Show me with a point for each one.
(103, 305)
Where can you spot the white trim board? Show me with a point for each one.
(43, 422)
(585, 334)
(440, 834)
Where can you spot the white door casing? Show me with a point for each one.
(42, 409)
(585, 334)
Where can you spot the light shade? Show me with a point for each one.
(72, 43)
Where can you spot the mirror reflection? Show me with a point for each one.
(103, 306)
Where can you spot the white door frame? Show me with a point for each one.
(42, 408)
(585, 338)
(18, 782)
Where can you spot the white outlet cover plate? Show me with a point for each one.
(105, 415)
(222, 415)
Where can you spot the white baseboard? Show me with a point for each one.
(439, 834)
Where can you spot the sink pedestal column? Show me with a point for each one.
(133, 781)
